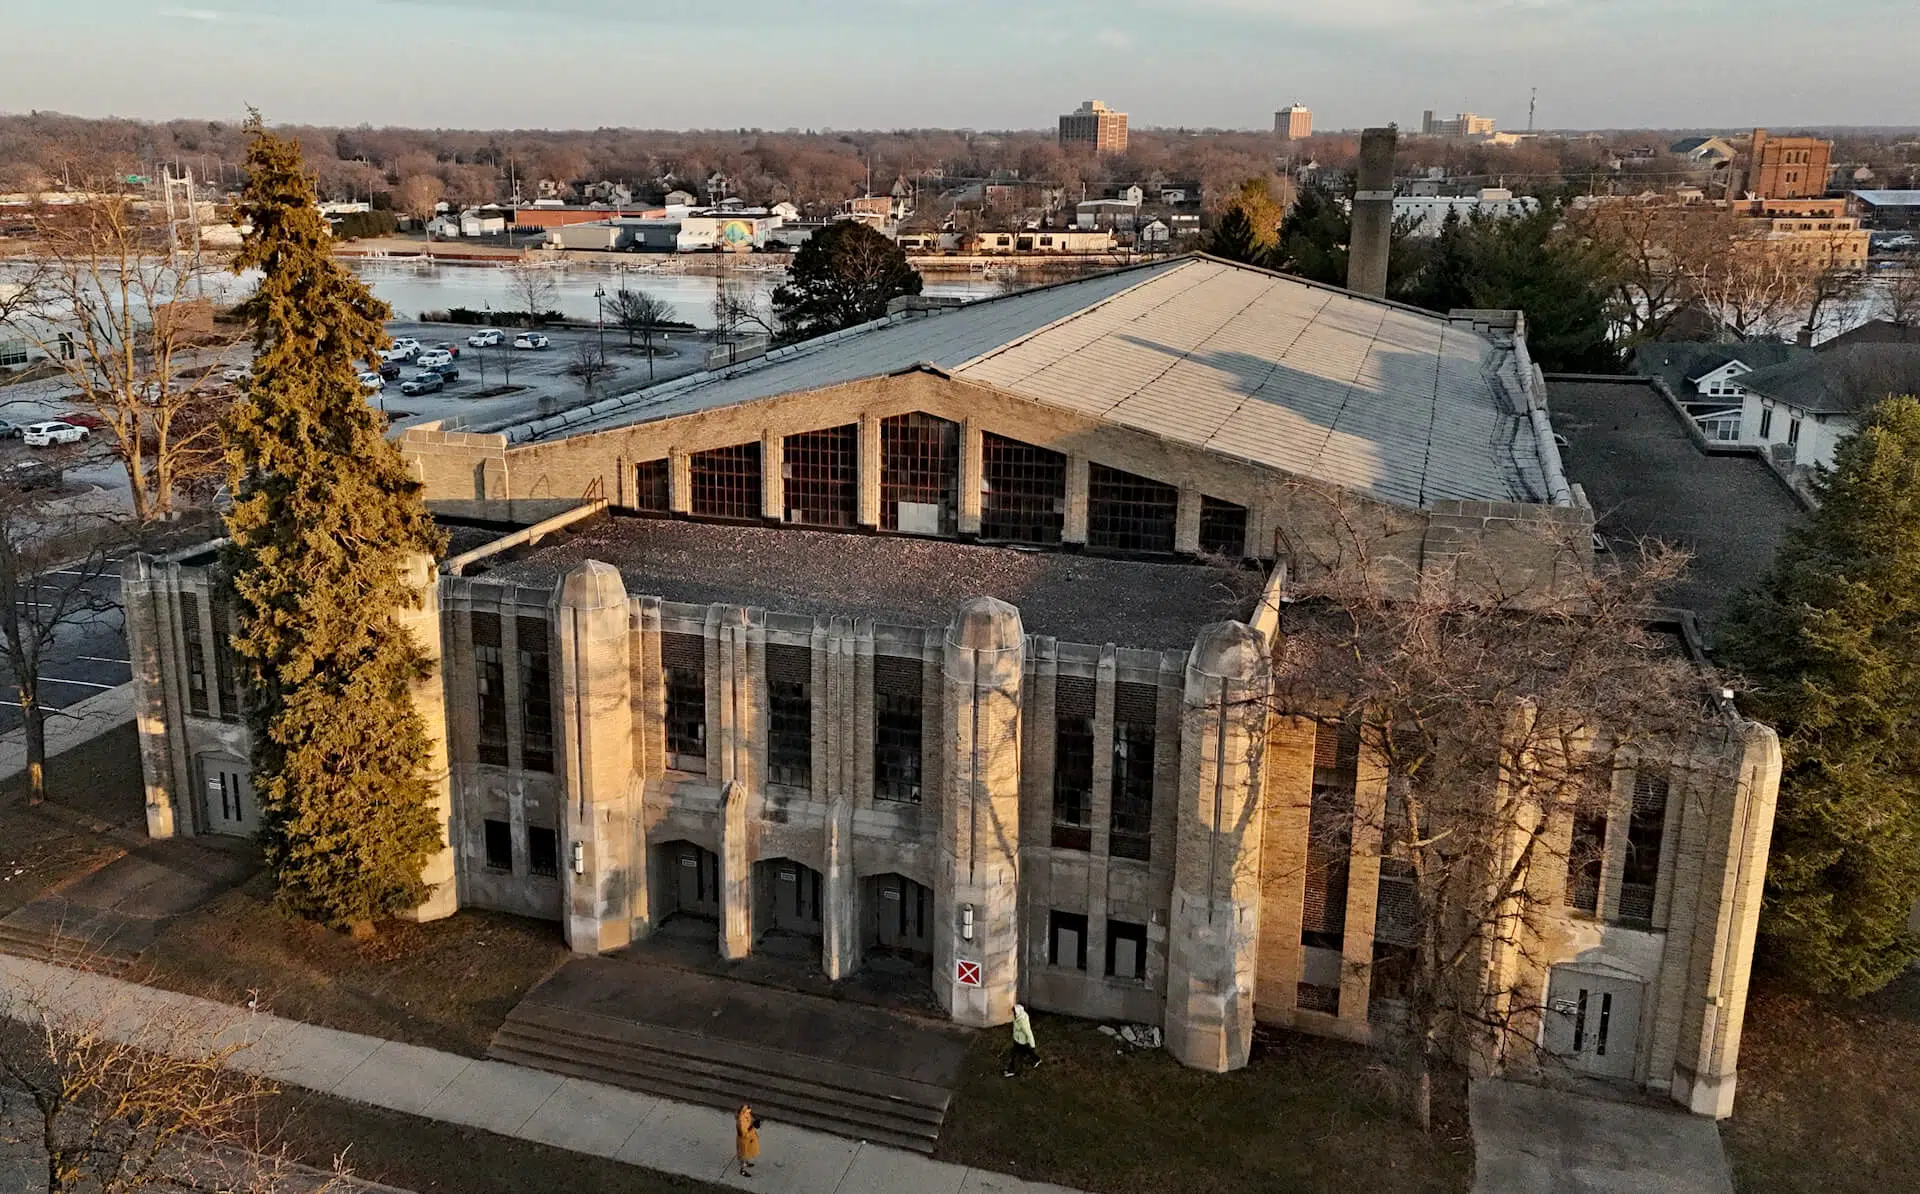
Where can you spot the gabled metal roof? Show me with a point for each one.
(1309, 379)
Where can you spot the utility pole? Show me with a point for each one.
(1532, 99)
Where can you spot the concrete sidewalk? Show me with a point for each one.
(1531, 1140)
(584, 1117)
(79, 722)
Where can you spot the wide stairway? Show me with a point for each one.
(51, 929)
(853, 1070)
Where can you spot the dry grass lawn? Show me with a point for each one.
(1306, 1115)
(96, 784)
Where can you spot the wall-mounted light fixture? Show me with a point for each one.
(966, 922)
(579, 858)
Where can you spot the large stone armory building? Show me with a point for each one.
(944, 640)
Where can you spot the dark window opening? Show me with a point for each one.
(1023, 492)
(1134, 714)
(1073, 764)
(653, 486)
(543, 852)
(896, 729)
(490, 683)
(225, 664)
(196, 645)
(1586, 855)
(536, 695)
(683, 662)
(1312, 997)
(822, 477)
(1126, 950)
(726, 482)
(790, 716)
(1067, 940)
(1397, 905)
(1640, 874)
(499, 842)
(1223, 528)
(1390, 982)
(1127, 512)
(1336, 760)
(919, 475)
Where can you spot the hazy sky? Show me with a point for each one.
(954, 63)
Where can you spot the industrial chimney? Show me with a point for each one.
(1367, 246)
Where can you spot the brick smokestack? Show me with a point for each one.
(1372, 214)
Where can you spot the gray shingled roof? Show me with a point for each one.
(1681, 362)
(1843, 381)
(1308, 379)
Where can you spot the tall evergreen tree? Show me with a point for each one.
(1830, 642)
(1233, 238)
(324, 516)
(1446, 281)
(845, 275)
(1524, 263)
(1313, 239)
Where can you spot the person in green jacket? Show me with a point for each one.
(1023, 1048)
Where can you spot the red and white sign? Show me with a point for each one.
(967, 974)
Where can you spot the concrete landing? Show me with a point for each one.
(1530, 1140)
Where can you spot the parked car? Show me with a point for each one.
(486, 338)
(389, 371)
(46, 435)
(450, 348)
(403, 350)
(237, 375)
(433, 357)
(372, 382)
(447, 372)
(531, 340)
(80, 418)
(423, 383)
(9, 430)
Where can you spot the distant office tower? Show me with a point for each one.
(1096, 125)
(1788, 167)
(1466, 124)
(1293, 123)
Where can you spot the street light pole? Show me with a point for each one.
(600, 307)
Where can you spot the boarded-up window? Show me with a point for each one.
(226, 667)
(896, 728)
(919, 474)
(1397, 909)
(490, 685)
(653, 486)
(1128, 512)
(1586, 854)
(196, 647)
(1073, 763)
(1640, 873)
(790, 715)
(536, 694)
(683, 662)
(1223, 528)
(1135, 714)
(1330, 834)
(822, 478)
(726, 482)
(1023, 492)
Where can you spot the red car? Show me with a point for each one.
(82, 419)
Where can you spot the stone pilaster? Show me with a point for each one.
(773, 481)
(972, 476)
(980, 815)
(736, 873)
(602, 861)
(679, 481)
(1186, 521)
(422, 619)
(145, 599)
(1288, 799)
(1074, 528)
(835, 780)
(736, 733)
(1215, 920)
(871, 458)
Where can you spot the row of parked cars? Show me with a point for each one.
(73, 428)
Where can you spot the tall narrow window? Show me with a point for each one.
(1766, 422)
(1073, 763)
(1134, 714)
(822, 477)
(896, 729)
(683, 661)
(919, 474)
(1223, 528)
(1126, 950)
(1586, 854)
(196, 648)
(790, 715)
(653, 486)
(1067, 939)
(543, 852)
(1128, 512)
(498, 837)
(726, 482)
(536, 695)
(1024, 492)
(225, 666)
(1336, 759)
(490, 682)
(1640, 873)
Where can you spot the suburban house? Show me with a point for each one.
(947, 644)
(1704, 151)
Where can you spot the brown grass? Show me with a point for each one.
(95, 785)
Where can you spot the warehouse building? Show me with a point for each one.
(944, 644)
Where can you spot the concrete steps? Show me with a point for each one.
(785, 1087)
(79, 952)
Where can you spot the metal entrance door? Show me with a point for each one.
(899, 914)
(1592, 1021)
(696, 878)
(230, 806)
(793, 898)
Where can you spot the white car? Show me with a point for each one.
(531, 340)
(46, 435)
(486, 339)
(404, 349)
(433, 358)
(371, 382)
(237, 375)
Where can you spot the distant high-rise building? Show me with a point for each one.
(1293, 123)
(1466, 124)
(1094, 124)
(1788, 167)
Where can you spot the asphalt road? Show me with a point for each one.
(88, 655)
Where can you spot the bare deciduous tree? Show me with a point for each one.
(533, 287)
(588, 364)
(1900, 299)
(418, 195)
(1491, 701)
(116, 306)
(641, 315)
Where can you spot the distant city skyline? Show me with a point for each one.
(1168, 63)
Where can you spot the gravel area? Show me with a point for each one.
(901, 581)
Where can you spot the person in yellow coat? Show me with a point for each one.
(746, 1139)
